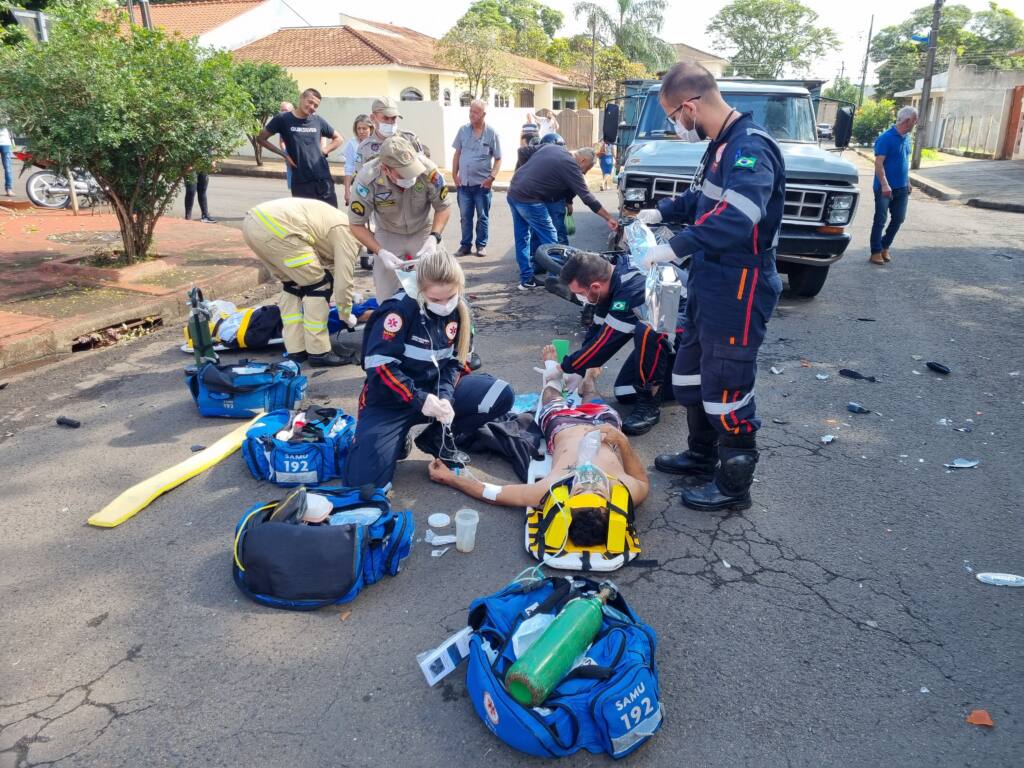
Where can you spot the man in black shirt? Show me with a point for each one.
(301, 130)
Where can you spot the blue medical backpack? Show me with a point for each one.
(315, 455)
(303, 567)
(608, 703)
(239, 390)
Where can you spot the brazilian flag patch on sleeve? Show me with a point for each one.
(746, 162)
(619, 306)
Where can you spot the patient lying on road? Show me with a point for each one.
(564, 428)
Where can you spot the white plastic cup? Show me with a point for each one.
(465, 529)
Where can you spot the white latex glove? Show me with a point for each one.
(436, 408)
(429, 247)
(659, 254)
(390, 260)
(649, 216)
(572, 382)
(352, 321)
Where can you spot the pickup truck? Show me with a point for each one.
(821, 188)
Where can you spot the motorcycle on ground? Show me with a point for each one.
(49, 187)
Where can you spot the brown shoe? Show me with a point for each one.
(885, 255)
(481, 252)
(876, 258)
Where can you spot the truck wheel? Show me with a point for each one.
(805, 280)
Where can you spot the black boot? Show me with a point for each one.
(646, 413)
(474, 362)
(730, 488)
(701, 456)
(326, 360)
(406, 448)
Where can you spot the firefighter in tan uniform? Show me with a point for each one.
(308, 246)
(408, 198)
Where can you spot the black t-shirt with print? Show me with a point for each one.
(302, 143)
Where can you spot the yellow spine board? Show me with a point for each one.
(622, 537)
(139, 496)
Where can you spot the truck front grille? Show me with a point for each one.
(805, 204)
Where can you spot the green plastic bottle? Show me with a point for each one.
(545, 664)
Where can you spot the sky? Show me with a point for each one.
(685, 22)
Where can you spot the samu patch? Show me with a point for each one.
(746, 162)
(393, 323)
(619, 306)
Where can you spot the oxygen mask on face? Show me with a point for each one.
(589, 478)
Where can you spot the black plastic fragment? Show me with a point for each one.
(851, 374)
(64, 421)
(938, 367)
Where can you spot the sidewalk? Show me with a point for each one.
(996, 184)
(48, 299)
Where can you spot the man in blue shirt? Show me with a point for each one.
(892, 183)
(476, 145)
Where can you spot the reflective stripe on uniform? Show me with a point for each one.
(743, 204)
(625, 389)
(492, 396)
(300, 261)
(689, 380)
(426, 355)
(268, 221)
(708, 189)
(375, 361)
(720, 409)
(619, 325)
(313, 325)
(291, 319)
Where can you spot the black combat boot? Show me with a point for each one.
(646, 413)
(701, 456)
(326, 360)
(730, 488)
(406, 448)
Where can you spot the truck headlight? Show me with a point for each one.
(840, 208)
(842, 202)
(634, 195)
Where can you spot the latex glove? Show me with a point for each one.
(572, 382)
(351, 321)
(659, 254)
(436, 408)
(429, 247)
(649, 216)
(390, 260)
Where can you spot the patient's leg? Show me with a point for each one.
(552, 385)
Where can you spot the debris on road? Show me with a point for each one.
(924, 689)
(962, 429)
(805, 363)
(437, 540)
(779, 421)
(866, 319)
(64, 421)
(439, 520)
(851, 374)
(1001, 579)
(856, 408)
(776, 370)
(962, 464)
(826, 439)
(318, 373)
(197, 448)
(938, 367)
(968, 566)
(980, 717)
(726, 564)
(821, 376)
(438, 552)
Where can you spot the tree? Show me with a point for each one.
(769, 36)
(994, 33)
(842, 90)
(526, 26)
(137, 108)
(633, 26)
(871, 119)
(267, 85)
(475, 50)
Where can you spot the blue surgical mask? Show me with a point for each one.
(405, 183)
(386, 129)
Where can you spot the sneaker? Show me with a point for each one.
(481, 252)
(528, 285)
(208, 220)
(463, 251)
(10, 193)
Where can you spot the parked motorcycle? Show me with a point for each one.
(48, 188)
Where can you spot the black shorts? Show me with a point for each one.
(318, 189)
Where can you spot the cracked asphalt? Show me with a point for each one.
(833, 624)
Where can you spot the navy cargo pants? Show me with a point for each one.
(727, 312)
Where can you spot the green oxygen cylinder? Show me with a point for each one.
(545, 664)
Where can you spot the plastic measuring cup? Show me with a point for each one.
(561, 348)
(465, 529)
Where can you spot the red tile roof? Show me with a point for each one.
(195, 18)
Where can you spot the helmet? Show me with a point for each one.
(552, 138)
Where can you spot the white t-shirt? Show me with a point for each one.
(5, 136)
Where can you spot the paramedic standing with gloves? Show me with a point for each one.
(734, 207)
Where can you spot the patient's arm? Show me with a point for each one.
(519, 495)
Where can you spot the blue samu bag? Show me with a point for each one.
(607, 703)
(300, 567)
(311, 455)
(239, 390)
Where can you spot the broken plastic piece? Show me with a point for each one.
(64, 421)
(856, 408)
(924, 689)
(851, 374)
(968, 566)
(821, 376)
(962, 429)
(318, 373)
(439, 520)
(962, 464)
(779, 421)
(776, 370)
(938, 367)
(1001, 579)
(438, 552)
(826, 439)
(197, 448)
(866, 319)
(726, 564)
(437, 540)
(980, 717)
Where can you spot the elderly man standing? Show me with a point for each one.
(551, 174)
(892, 183)
(385, 116)
(476, 146)
(400, 189)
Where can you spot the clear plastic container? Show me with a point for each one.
(466, 521)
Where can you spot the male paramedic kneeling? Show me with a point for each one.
(564, 427)
(307, 245)
(414, 353)
(734, 207)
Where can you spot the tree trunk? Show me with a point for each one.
(136, 231)
(257, 149)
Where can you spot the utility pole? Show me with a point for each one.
(864, 72)
(147, 19)
(926, 88)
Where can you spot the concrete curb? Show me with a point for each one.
(996, 205)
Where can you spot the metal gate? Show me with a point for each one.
(576, 127)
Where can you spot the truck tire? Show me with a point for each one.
(805, 280)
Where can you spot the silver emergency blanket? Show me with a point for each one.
(666, 284)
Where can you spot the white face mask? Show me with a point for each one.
(386, 129)
(684, 133)
(582, 297)
(405, 183)
(443, 310)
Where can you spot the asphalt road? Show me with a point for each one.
(833, 624)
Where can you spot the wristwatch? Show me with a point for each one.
(437, 236)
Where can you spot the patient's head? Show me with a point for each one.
(589, 526)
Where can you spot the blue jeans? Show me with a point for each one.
(895, 209)
(557, 212)
(6, 152)
(474, 199)
(527, 217)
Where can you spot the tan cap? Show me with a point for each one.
(397, 153)
(386, 107)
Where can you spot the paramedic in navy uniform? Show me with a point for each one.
(734, 210)
(414, 353)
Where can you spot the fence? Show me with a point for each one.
(972, 134)
(577, 127)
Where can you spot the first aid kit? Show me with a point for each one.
(299, 447)
(241, 390)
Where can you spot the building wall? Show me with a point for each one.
(252, 25)
(975, 108)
